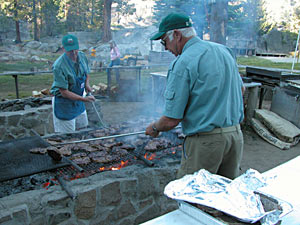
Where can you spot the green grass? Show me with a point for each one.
(27, 84)
(256, 61)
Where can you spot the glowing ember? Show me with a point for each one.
(46, 185)
(78, 176)
(151, 157)
(102, 169)
(123, 164)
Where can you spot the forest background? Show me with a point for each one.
(217, 18)
(24, 21)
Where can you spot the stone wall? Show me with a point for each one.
(18, 122)
(39, 120)
(129, 196)
(25, 123)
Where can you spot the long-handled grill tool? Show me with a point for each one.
(101, 138)
(105, 137)
(58, 157)
(97, 112)
(139, 156)
(65, 187)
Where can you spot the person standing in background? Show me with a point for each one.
(71, 79)
(114, 61)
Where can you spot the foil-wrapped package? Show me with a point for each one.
(237, 197)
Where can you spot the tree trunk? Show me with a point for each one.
(107, 21)
(18, 34)
(93, 12)
(35, 29)
(218, 21)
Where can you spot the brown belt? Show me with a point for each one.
(221, 130)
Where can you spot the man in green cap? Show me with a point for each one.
(204, 93)
(71, 80)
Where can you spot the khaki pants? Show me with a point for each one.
(219, 151)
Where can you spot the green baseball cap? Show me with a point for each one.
(171, 22)
(70, 42)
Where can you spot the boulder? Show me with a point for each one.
(37, 59)
(18, 57)
(49, 47)
(30, 52)
(5, 58)
(33, 44)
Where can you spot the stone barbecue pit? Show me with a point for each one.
(122, 182)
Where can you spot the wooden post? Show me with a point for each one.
(252, 103)
(16, 84)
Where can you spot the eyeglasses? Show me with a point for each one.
(163, 41)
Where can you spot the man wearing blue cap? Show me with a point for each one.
(204, 93)
(71, 79)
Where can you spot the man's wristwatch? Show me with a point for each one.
(154, 128)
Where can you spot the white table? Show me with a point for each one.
(285, 186)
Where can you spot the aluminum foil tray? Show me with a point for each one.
(238, 199)
(207, 215)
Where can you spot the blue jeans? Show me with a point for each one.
(108, 71)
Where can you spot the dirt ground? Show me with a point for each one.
(262, 156)
(258, 154)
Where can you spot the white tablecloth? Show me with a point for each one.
(285, 186)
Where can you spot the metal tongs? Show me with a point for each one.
(97, 112)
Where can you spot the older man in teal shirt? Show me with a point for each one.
(204, 93)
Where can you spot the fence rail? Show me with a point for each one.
(138, 68)
(15, 74)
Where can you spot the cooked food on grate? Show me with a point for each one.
(81, 160)
(78, 155)
(65, 150)
(42, 150)
(128, 147)
(157, 144)
(119, 151)
(38, 150)
(111, 144)
(105, 159)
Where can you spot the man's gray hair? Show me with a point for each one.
(186, 32)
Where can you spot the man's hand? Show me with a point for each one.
(89, 98)
(150, 131)
(73, 96)
(163, 124)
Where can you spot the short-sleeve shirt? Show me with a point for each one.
(64, 74)
(114, 53)
(204, 88)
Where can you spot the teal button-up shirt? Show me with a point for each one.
(64, 73)
(204, 88)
